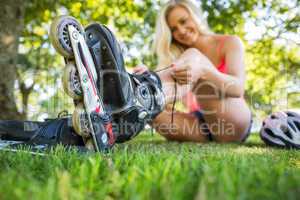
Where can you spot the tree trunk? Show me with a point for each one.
(11, 23)
(25, 91)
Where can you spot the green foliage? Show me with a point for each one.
(227, 16)
(150, 168)
(272, 56)
(126, 18)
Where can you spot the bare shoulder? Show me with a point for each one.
(227, 44)
(233, 42)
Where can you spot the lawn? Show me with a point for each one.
(148, 167)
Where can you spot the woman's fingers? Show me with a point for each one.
(182, 77)
(182, 74)
(140, 69)
(178, 63)
(181, 68)
(182, 82)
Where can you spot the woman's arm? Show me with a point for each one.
(193, 65)
(232, 83)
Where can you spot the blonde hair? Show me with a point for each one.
(164, 47)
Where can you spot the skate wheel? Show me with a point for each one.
(71, 81)
(59, 35)
(80, 121)
(89, 144)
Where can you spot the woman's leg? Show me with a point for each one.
(185, 127)
(228, 119)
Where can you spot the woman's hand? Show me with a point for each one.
(191, 67)
(140, 69)
(181, 72)
(186, 71)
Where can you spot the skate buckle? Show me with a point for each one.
(142, 115)
(104, 138)
(75, 35)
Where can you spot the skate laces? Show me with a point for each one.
(175, 91)
(162, 69)
(174, 101)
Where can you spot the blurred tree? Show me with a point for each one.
(273, 68)
(14, 15)
(126, 19)
(11, 23)
(38, 69)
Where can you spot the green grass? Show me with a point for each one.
(150, 168)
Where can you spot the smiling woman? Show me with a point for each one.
(209, 65)
(185, 13)
(183, 28)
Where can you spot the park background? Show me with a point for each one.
(31, 86)
(148, 167)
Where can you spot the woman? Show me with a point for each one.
(209, 65)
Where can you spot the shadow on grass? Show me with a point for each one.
(252, 141)
(253, 144)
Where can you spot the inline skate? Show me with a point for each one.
(112, 105)
(90, 119)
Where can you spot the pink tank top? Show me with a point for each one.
(222, 66)
(189, 99)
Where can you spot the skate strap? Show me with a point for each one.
(174, 101)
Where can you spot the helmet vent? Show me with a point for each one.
(286, 130)
(269, 132)
(291, 124)
(297, 124)
(273, 117)
(290, 114)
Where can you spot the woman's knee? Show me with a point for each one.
(235, 134)
(195, 57)
(193, 52)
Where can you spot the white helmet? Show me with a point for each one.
(281, 129)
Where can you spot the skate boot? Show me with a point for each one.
(133, 100)
(127, 101)
(50, 132)
(90, 118)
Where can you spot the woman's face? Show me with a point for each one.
(184, 29)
